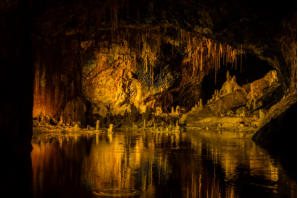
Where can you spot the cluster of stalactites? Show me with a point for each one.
(202, 53)
(129, 44)
(205, 54)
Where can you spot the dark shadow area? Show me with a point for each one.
(279, 138)
(16, 82)
(17, 173)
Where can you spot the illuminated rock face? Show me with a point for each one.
(241, 108)
(149, 60)
(108, 82)
(136, 71)
(251, 96)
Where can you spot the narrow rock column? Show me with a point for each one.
(97, 125)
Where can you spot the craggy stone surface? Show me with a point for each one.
(228, 102)
(141, 58)
(119, 54)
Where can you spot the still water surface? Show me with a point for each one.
(146, 164)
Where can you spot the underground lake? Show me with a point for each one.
(155, 164)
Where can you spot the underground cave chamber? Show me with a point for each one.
(162, 99)
(140, 78)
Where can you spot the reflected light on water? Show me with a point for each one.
(131, 164)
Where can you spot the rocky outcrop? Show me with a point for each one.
(229, 102)
(229, 98)
(261, 93)
(235, 106)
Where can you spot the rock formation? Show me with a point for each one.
(117, 67)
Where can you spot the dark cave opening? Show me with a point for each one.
(251, 68)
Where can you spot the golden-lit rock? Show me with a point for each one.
(228, 87)
(233, 101)
(230, 97)
(257, 88)
(97, 125)
(228, 102)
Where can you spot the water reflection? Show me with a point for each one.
(132, 164)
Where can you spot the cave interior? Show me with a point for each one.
(97, 65)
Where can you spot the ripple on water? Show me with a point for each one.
(110, 192)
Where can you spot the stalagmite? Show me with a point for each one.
(200, 104)
(76, 127)
(177, 109)
(261, 114)
(97, 125)
(60, 120)
(110, 129)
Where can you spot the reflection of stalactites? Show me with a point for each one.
(75, 136)
(230, 192)
(110, 137)
(60, 142)
(273, 173)
(97, 138)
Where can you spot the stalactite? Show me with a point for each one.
(197, 46)
(203, 54)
